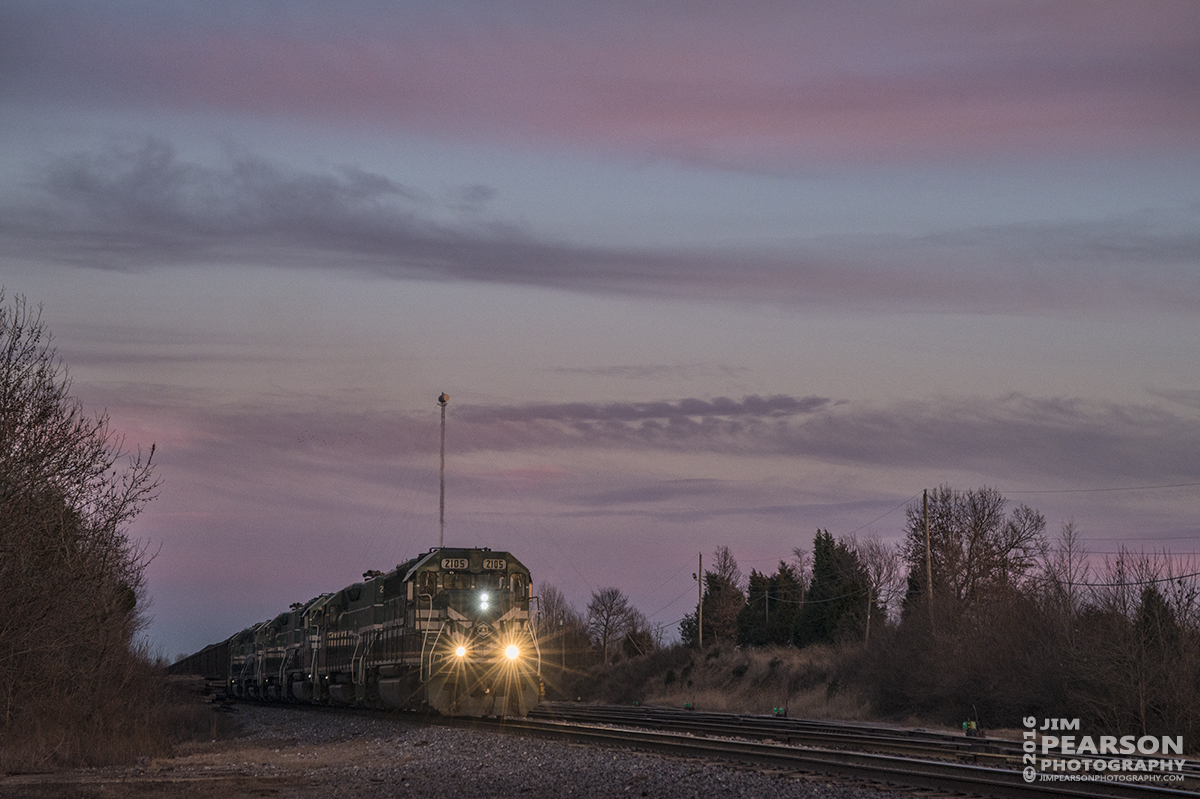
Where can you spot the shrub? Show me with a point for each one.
(76, 688)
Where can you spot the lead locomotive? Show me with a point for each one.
(449, 630)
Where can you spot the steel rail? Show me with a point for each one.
(913, 772)
(861, 736)
(867, 738)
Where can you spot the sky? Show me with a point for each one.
(693, 275)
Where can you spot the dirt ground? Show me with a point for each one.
(226, 769)
(265, 757)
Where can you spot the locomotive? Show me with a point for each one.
(448, 631)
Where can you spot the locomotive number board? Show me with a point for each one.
(461, 564)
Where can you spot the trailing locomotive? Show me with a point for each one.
(449, 631)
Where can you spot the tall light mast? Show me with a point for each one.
(443, 398)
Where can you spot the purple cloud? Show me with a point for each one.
(1013, 438)
(1017, 437)
(768, 85)
(134, 209)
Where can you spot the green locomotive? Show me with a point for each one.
(449, 630)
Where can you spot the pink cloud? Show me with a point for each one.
(767, 85)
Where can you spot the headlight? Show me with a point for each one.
(483, 601)
(513, 652)
(461, 651)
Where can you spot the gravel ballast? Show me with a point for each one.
(295, 753)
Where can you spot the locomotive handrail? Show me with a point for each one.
(433, 649)
(536, 646)
(533, 630)
(357, 667)
(427, 660)
(425, 639)
(354, 656)
(287, 655)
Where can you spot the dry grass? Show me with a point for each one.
(728, 679)
(149, 720)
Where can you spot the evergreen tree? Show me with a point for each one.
(834, 607)
(723, 600)
(772, 608)
(754, 616)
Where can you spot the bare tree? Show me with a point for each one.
(802, 561)
(554, 609)
(726, 568)
(976, 549)
(562, 630)
(883, 565)
(1137, 659)
(641, 638)
(71, 579)
(609, 616)
(724, 596)
(1066, 572)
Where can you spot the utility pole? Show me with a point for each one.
(443, 398)
(700, 602)
(867, 636)
(767, 605)
(928, 555)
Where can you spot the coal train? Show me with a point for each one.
(448, 631)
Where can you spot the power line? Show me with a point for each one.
(646, 596)
(1131, 552)
(687, 590)
(889, 513)
(1102, 490)
(1123, 583)
(1189, 536)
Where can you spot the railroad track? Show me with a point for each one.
(809, 732)
(937, 761)
(916, 758)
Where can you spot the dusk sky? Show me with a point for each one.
(692, 273)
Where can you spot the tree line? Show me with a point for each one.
(836, 592)
(976, 613)
(993, 620)
(74, 679)
(608, 630)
